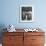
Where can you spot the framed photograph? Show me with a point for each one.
(26, 13)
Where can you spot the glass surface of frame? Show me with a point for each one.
(26, 13)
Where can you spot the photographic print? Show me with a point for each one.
(26, 13)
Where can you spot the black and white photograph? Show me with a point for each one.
(26, 13)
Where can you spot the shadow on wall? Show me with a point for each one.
(2, 26)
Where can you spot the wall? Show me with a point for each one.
(10, 12)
